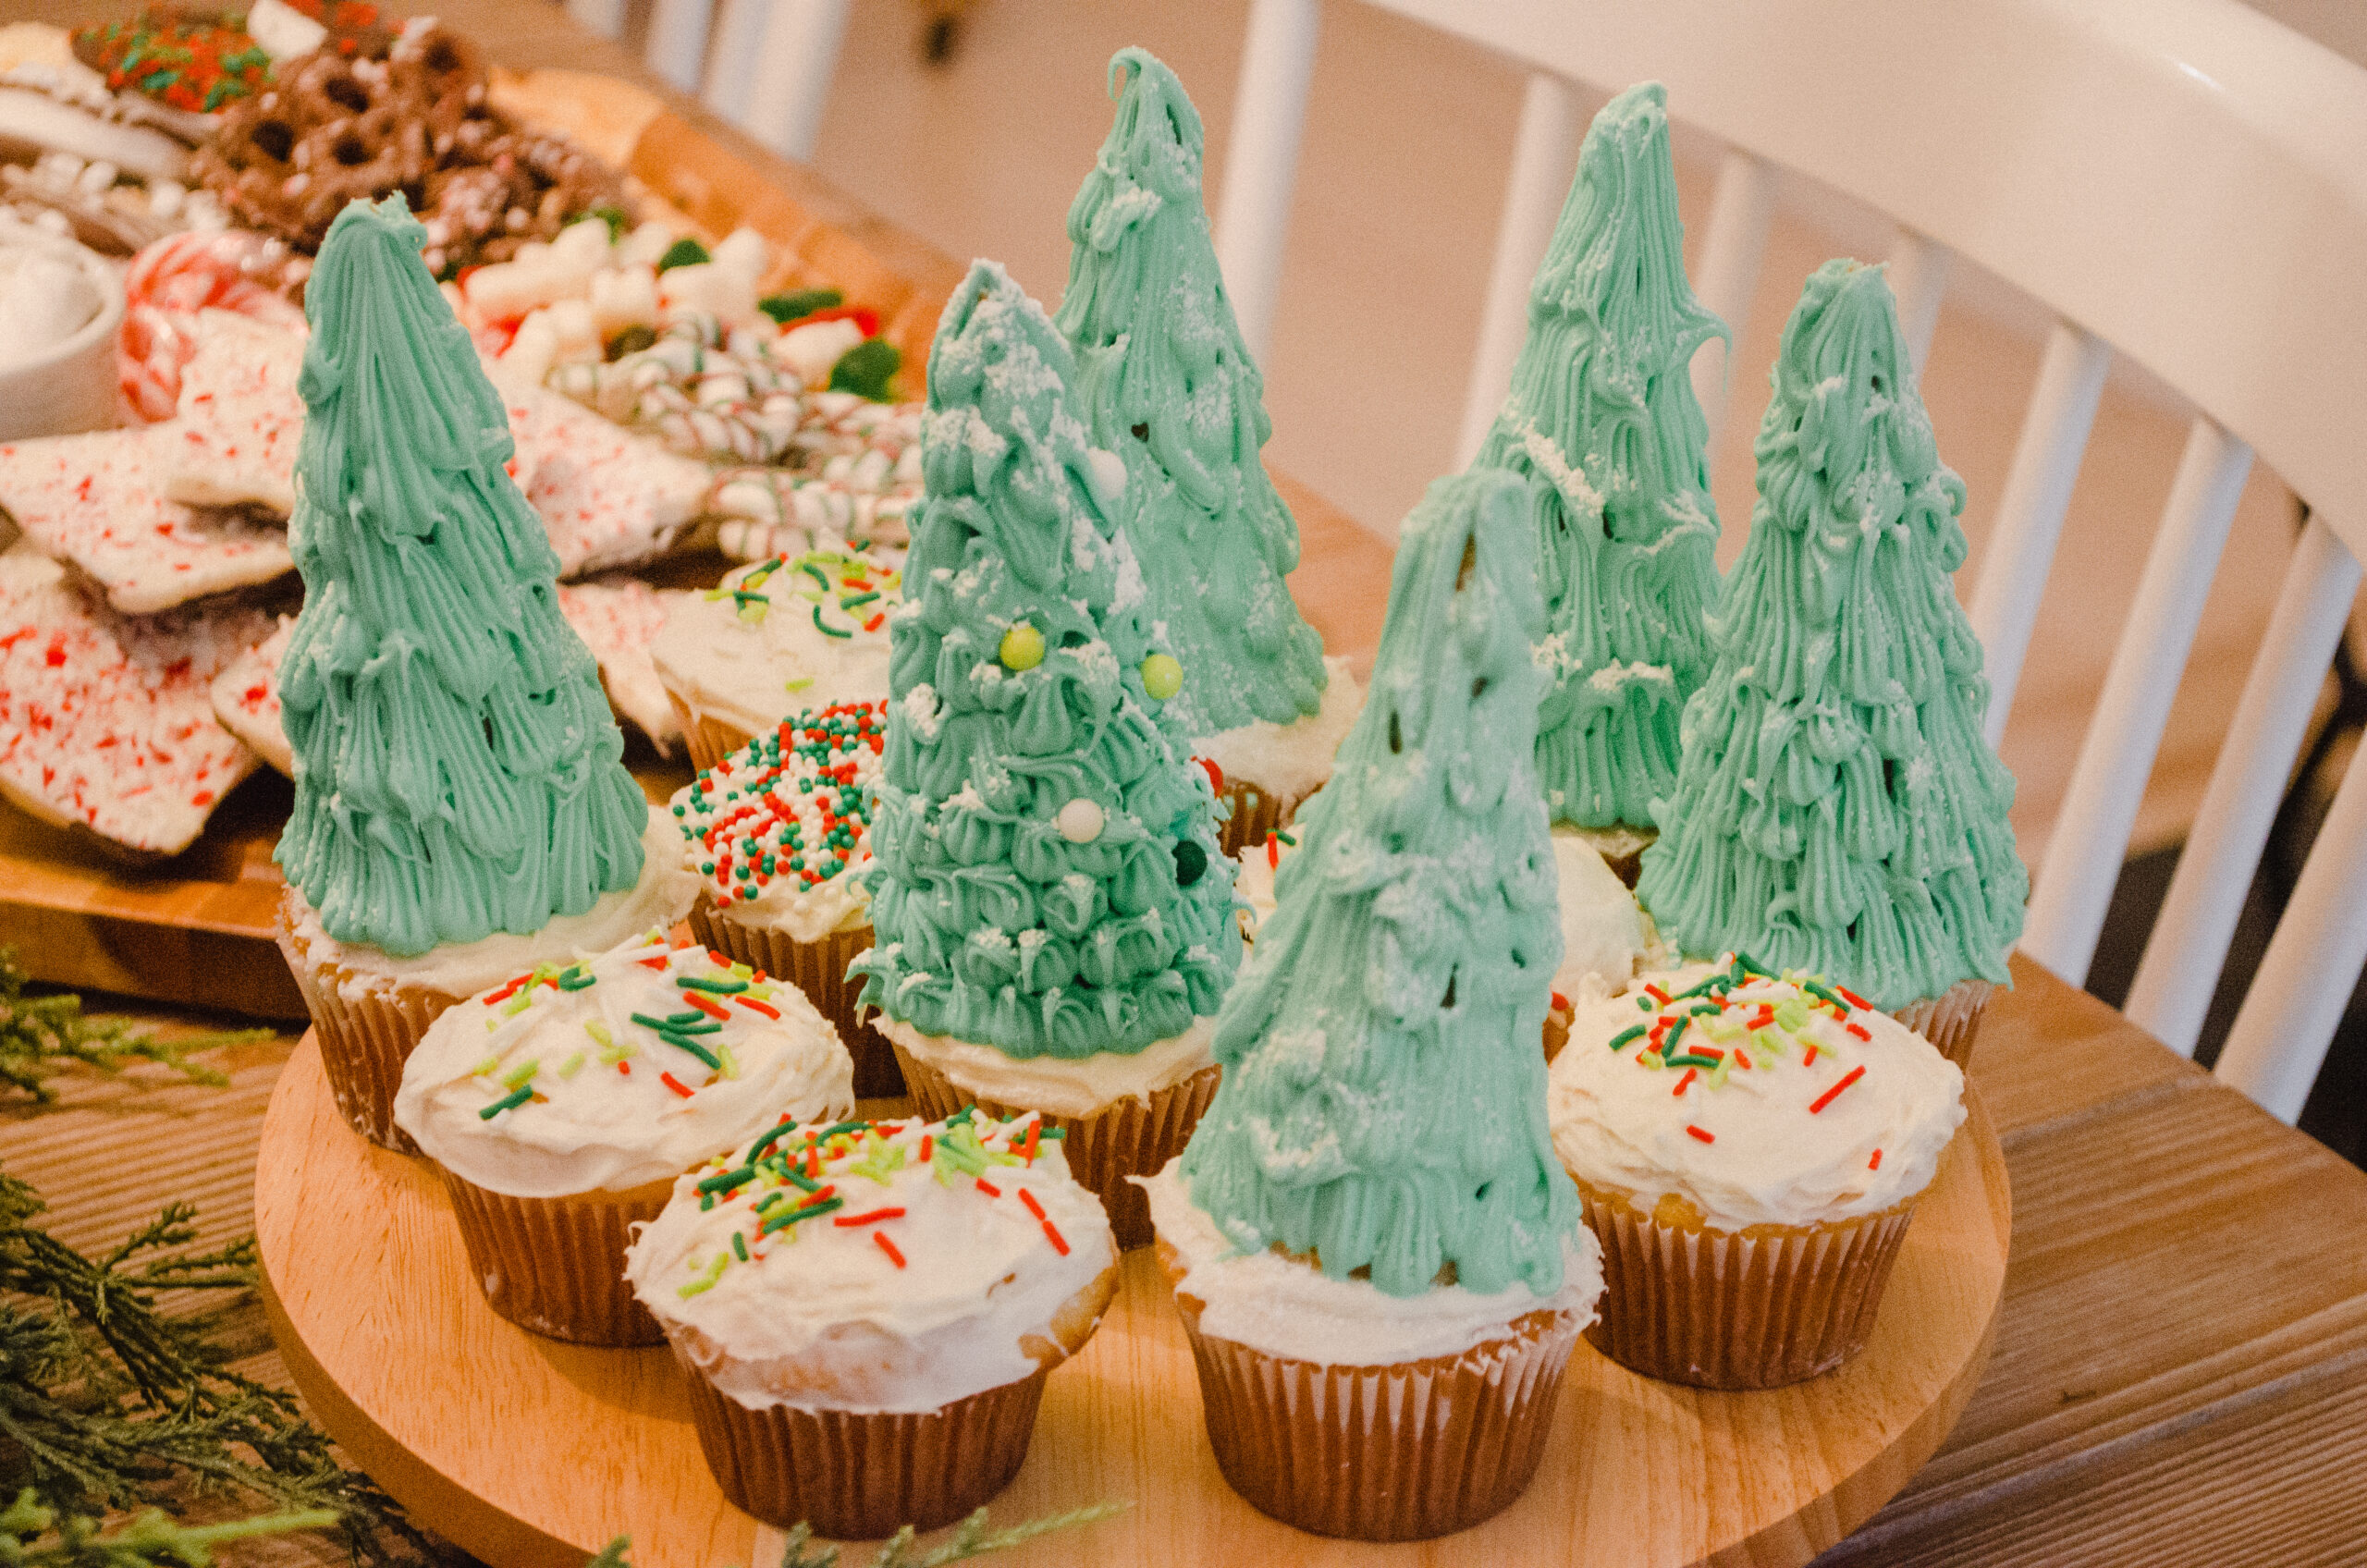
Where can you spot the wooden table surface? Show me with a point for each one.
(2181, 1371)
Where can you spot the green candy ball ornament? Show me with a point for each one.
(1021, 647)
(1162, 676)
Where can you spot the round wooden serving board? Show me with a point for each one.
(531, 1453)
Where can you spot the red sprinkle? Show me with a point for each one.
(653, 963)
(1033, 1207)
(1705, 1137)
(1875, 1163)
(768, 1009)
(1035, 1131)
(1561, 1002)
(1216, 775)
(625, 1068)
(1762, 1022)
(1860, 1030)
(1685, 1082)
(1855, 999)
(1742, 1058)
(1810, 1059)
(988, 1188)
(1273, 851)
(698, 1000)
(720, 961)
(670, 1082)
(849, 1221)
(1058, 1244)
(1827, 1097)
(1657, 994)
(886, 1245)
(927, 1143)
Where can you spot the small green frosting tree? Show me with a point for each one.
(1383, 1102)
(1171, 389)
(1047, 876)
(1602, 426)
(1839, 810)
(457, 771)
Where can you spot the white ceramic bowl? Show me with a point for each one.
(73, 386)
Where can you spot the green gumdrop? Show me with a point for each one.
(866, 369)
(787, 308)
(685, 252)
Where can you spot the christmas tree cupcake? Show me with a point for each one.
(1603, 427)
(1370, 1235)
(562, 1104)
(1169, 386)
(780, 836)
(1838, 811)
(779, 636)
(867, 1311)
(1055, 924)
(461, 812)
(1748, 1148)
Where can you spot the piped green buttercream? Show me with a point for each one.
(1602, 426)
(457, 771)
(1027, 892)
(1171, 389)
(1838, 811)
(1383, 1101)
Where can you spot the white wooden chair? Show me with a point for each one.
(2183, 182)
(767, 67)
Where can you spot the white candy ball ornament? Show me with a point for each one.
(1080, 821)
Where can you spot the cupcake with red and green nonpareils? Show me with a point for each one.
(778, 636)
(562, 1104)
(779, 834)
(1168, 385)
(868, 1311)
(1748, 1147)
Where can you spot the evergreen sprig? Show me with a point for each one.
(152, 1541)
(40, 1035)
(107, 1404)
(970, 1539)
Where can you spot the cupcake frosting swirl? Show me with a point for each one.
(781, 634)
(778, 829)
(887, 1266)
(1760, 1100)
(612, 1072)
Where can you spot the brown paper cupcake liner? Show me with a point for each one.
(556, 1266)
(1383, 1454)
(818, 969)
(1951, 1019)
(1738, 1310)
(1255, 812)
(1128, 1137)
(708, 739)
(366, 1032)
(855, 1475)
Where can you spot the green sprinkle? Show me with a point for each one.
(487, 1065)
(685, 252)
(725, 1180)
(521, 1073)
(1752, 966)
(1626, 1034)
(816, 572)
(858, 599)
(828, 1132)
(707, 1282)
(720, 987)
(1644, 1003)
(756, 1149)
(827, 630)
(802, 1184)
(578, 979)
(739, 1246)
(727, 1063)
(598, 1031)
(779, 1218)
(1824, 995)
(1668, 1041)
(1690, 1060)
(510, 1101)
(708, 1057)
(572, 1066)
(800, 684)
(519, 1003)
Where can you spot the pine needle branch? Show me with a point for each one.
(40, 1036)
(149, 1540)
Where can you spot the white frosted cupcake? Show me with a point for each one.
(562, 1103)
(1750, 1150)
(1265, 769)
(372, 1008)
(779, 834)
(779, 635)
(867, 1312)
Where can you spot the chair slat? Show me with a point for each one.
(1268, 112)
(1726, 278)
(731, 63)
(2029, 511)
(2296, 1001)
(1919, 276)
(1545, 159)
(677, 47)
(606, 18)
(2090, 832)
(795, 57)
(2189, 942)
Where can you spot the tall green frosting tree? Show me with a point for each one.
(1839, 810)
(1048, 880)
(457, 771)
(1602, 426)
(1383, 1101)
(1171, 389)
